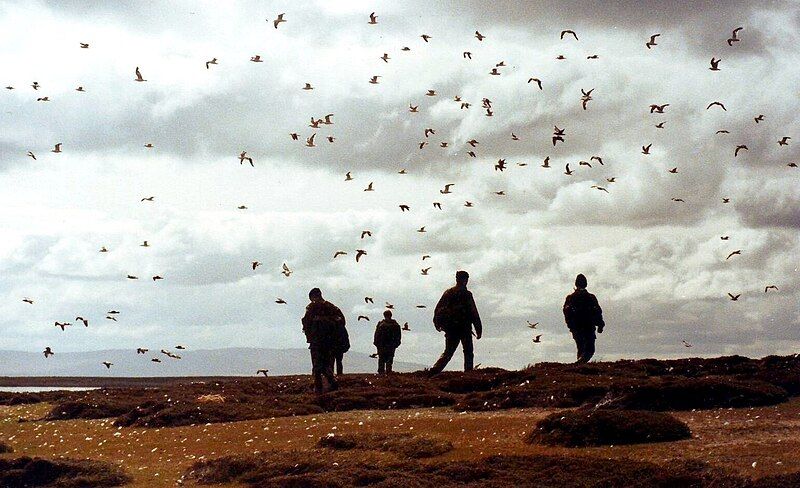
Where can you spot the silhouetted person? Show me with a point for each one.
(321, 325)
(386, 340)
(455, 314)
(582, 314)
(341, 346)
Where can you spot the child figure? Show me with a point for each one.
(387, 339)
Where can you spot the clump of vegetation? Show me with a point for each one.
(63, 473)
(4, 448)
(406, 445)
(585, 428)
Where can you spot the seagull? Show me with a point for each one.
(466, 55)
(426, 256)
(369, 187)
(479, 36)
(263, 371)
(437, 205)
(425, 37)
(56, 149)
(494, 72)
(286, 271)
(107, 364)
(339, 253)
(155, 360)
(430, 93)
(652, 41)
(674, 170)
(429, 132)
(80, 89)
(374, 80)
(446, 189)
(280, 301)
(791, 165)
(734, 297)
(43, 99)
(658, 109)
(469, 204)
(359, 253)
(385, 57)
(424, 271)
(784, 141)
(255, 264)
(144, 244)
(157, 277)
(600, 188)
(244, 157)
(567, 171)
(141, 350)
(537, 80)
(213, 61)
(714, 64)
(139, 75)
(295, 136)
(646, 149)
(31, 155)
(374, 355)
(362, 317)
(737, 252)
(84, 45)
(569, 32)
(532, 325)
(726, 200)
(739, 148)
(36, 85)
(716, 103)
(421, 229)
(28, 300)
(413, 108)
(256, 58)
(500, 193)
(500, 166)
(310, 140)
(112, 312)
(242, 207)
(406, 327)
(404, 208)
(373, 19)
(537, 339)
(613, 179)
(109, 317)
(770, 287)
(132, 277)
(686, 344)
(308, 87)
(760, 118)
(725, 238)
(366, 233)
(63, 325)
(734, 37)
(598, 159)
(81, 319)
(660, 125)
(679, 200)
(348, 176)
(47, 352)
(368, 300)
(278, 20)
(546, 162)
(147, 199)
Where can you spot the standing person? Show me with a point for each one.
(341, 346)
(582, 314)
(320, 325)
(387, 339)
(455, 314)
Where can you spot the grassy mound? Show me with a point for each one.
(584, 428)
(62, 473)
(316, 470)
(87, 410)
(695, 393)
(406, 445)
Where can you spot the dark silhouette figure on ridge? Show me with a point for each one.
(583, 314)
(322, 326)
(386, 340)
(455, 315)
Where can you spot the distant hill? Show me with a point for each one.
(208, 362)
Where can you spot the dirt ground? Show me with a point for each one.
(753, 442)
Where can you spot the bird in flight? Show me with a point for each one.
(256, 58)
(47, 352)
(56, 149)
(568, 31)
(278, 20)
(714, 64)
(31, 155)
(255, 264)
(385, 57)
(373, 19)
(537, 81)
(84, 45)
(310, 140)
(446, 189)
(479, 36)
(425, 37)
(734, 297)
(81, 319)
(263, 371)
(537, 339)
(359, 253)
(364, 317)
(424, 271)
(784, 141)
(374, 80)
(339, 253)
(718, 104)
(244, 157)
(532, 325)
(739, 148)
(209, 63)
(369, 187)
(770, 287)
(107, 364)
(280, 301)
(658, 109)
(139, 75)
(141, 350)
(652, 41)
(646, 149)
(568, 171)
(734, 36)
(148, 199)
(760, 118)
(366, 233)
(28, 300)
(737, 252)
(406, 327)
(404, 208)
(686, 344)
(286, 271)
(63, 325)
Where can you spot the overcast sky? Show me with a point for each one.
(657, 266)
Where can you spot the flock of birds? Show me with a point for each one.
(558, 136)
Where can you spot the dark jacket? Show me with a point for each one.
(323, 324)
(582, 312)
(387, 334)
(456, 312)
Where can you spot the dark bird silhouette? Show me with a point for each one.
(141, 350)
(734, 36)
(658, 109)
(760, 118)
(359, 253)
(537, 339)
(717, 103)
(770, 287)
(277, 21)
(263, 371)
(737, 252)
(479, 36)
(47, 352)
(362, 317)
(646, 149)
(63, 325)
(139, 75)
(734, 297)
(739, 148)
(404, 208)
(652, 41)
(28, 300)
(209, 63)
(406, 327)
(373, 19)
(255, 264)
(714, 64)
(369, 300)
(784, 141)
(568, 31)
(107, 364)
(425, 37)
(537, 81)
(567, 171)
(81, 319)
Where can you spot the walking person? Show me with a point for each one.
(386, 340)
(583, 314)
(455, 315)
(340, 347)
(321, 324)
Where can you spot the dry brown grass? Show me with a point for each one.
(405, 445)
